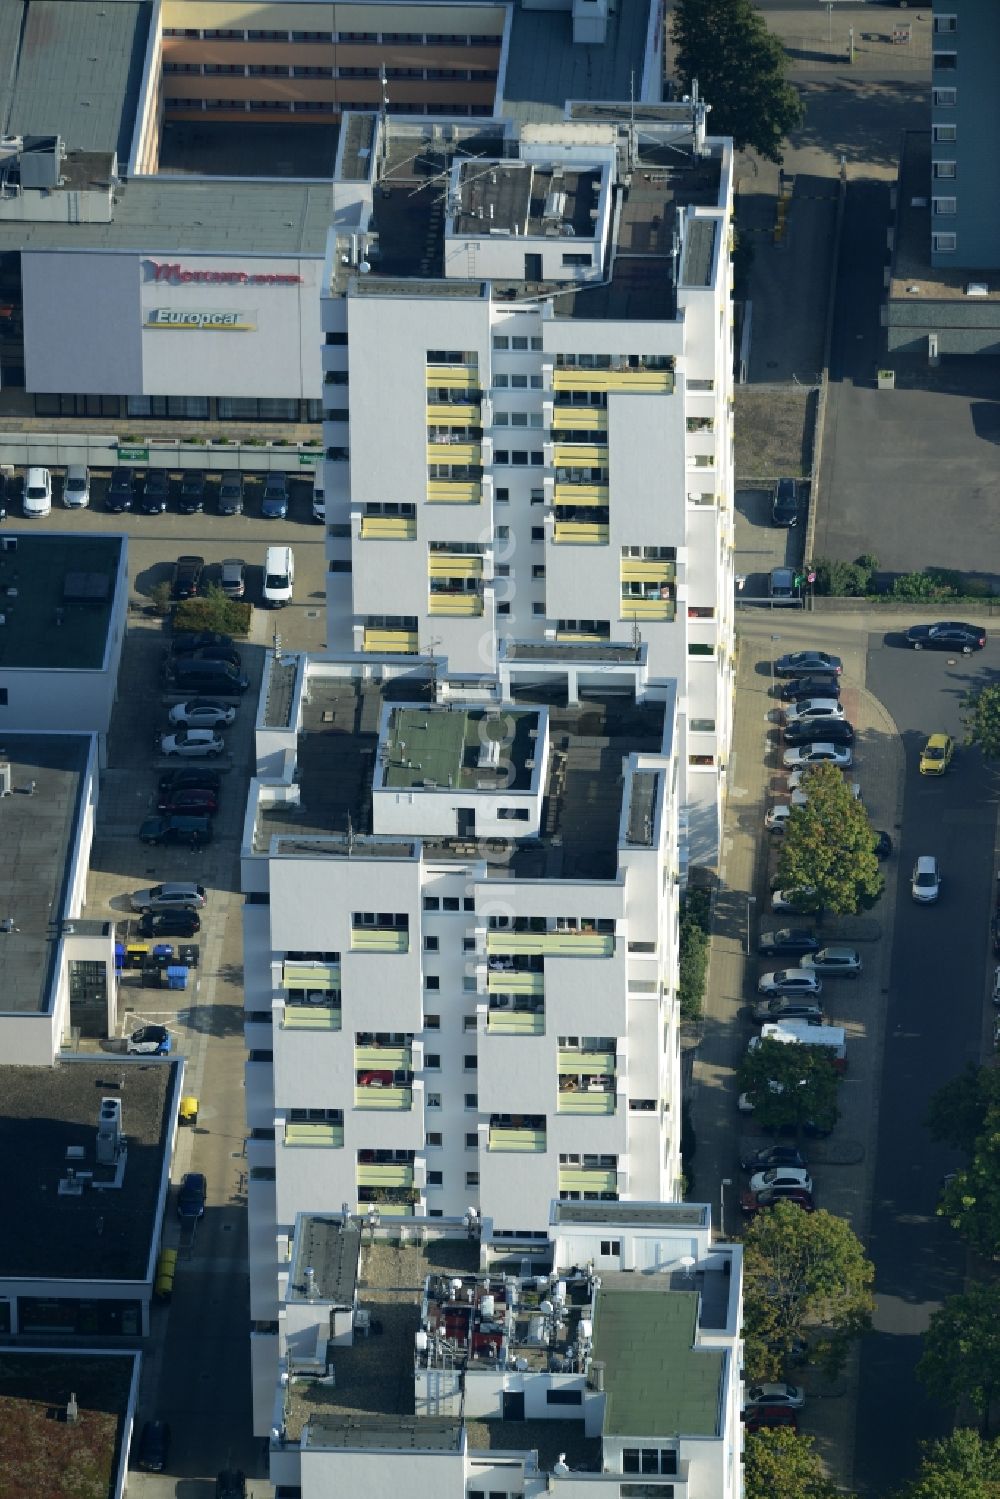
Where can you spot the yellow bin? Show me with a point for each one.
(188, 1113)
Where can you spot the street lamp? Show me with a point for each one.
(726, 1181)
(751, 901)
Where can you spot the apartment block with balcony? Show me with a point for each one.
(612, 1369)
(460, 952)
(533, 326)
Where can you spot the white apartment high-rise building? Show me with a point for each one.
(460, 951)
(528, 389)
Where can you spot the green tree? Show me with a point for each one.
(958, 1111)
(961, 1357)
(740, 68)
(970, 1199)
(828, 850)
(790, 1085)
(981, 717)
(804, 1274)
(959, 1466)
(777, 1464)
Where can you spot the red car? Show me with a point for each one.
(755, 1202)
(201, 801)
(770, 1415)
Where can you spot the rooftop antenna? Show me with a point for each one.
(350, 834)
(432, 644)
(636, 638)
(383, 124)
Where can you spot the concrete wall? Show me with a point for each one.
(976, 114)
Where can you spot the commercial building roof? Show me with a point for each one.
(329, 1248)
(39, 827)
(57, 593)
(94, 1233)
(658, 1383)
(41, 1455)
(451, 747)
(73, 69)
(913, 278)
(545, 67)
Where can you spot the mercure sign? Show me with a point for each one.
(175, 274)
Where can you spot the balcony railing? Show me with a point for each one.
(388, 528)
(454, 565)
(525, 1141)
(662, 609)
(452, 376)
(385, 1174)
(391, 1057)
(587, 1179)
(391, 642)
(455, 452)
(389, 1209)
(454, 491)
(457, 413)
(569, 944)
(460, 604)
(623, 379)
(515, 1022)
(580, 533)
(395, 1100)
(586, 1101)
(514, 981)
(590, 1063)
(307, 1133)
(580, 418)
(312, 1017)
(379, 939)
(579, 455)
(647, 570)
(581, 494)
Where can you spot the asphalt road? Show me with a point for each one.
(935, 1024)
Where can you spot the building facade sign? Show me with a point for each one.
(176, 274)
(201, 319)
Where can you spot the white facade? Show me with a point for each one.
(551, 479)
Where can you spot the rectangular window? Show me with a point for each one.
(502, 496)
(435, 1179)
(471, 1063)
(500, 341)
(450, 903)
(468, 902)
(703, 725)
(944, 134)
(431, 903)
(576, 257)
(538, 608)
(3, 697)
(468, 1022)
(432, 1063)
(472, 1142)
(433, 1100)
(611, 1246)
(538, 533)
(697, 648)
(432, 1022)
(945, 24)
(944, 243)
(472, 1178)
(472, 1100)
(944, 169)
(431, 944)
(431, 981)
(434, 1141)
(945, 98)
(944, 207)
(563, 1397)
(945, 62)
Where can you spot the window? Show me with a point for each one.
(563, 1397)
(468, 944)
(470, 1063)
(518, 382)
(472, 1142)
(944, 243)
(450, 903)
(503, 609)
(945, 24)
(502, 496)
(431, 944)
(649, 1460)
(538, 570)
(502, 533)
(538, 609)
(432, 1022)
(431, 981)
(944, 133)
(701, 649)
(468, 1022)
(433, 1100)
(432, 1063)
(472, 1100)
(703, 725)
(538, 533)
(642, 1105)
(538, 496)
(945, 98)
(944, 207)
(944, 169)
(431, 903)
(435, 1178)
(434, 1141)
(500, 341)
(472, 1178)
(468, 903)
(611, 1246)
(3, 697)
(577, 258)
(519, 418)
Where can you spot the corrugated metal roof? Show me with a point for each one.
(76, 70)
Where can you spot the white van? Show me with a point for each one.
(279, 576)
(795, 1033)
(37, 492)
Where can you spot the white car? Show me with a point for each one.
(776, 818)
(813, 707)
(76, 489)
(193, 743)
(791, 1396)
(206, 715)
(817, 754)
(781, 1176)
(926, 879)
(800, 798)
(37, 493)
(789, 981)
(790, 900)
(839, 962)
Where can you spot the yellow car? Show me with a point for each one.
(935, 757)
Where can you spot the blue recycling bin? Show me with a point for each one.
(119, 956)
(177, 977)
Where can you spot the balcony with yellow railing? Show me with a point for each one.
(524, 1141)
(515, 981)
(452, 377)
(515, 1022)
(586, 1101)
(579, 455)
(567, 944)
(455, 565)
(647, 570)
(455, 452)
(388, 527)
(380, 939)
(587, 1063)
(613, 379)
(579, 418)
(331, 1136)
(385, 1174)
(456, 603)
(311, 976)
(313, 1017)
(581, 637)
(580, 533)
(393, 1057)
(391, 642)
(580, 494)
(454, 491)
(651, 609)
(453, 413)
(587, 1179)
(393, 1099)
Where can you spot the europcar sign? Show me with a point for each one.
(201, 320)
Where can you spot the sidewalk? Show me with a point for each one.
(843, 1163)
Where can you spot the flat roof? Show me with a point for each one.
(330, 1248)
(49, 1458)
(545, 67)
(57, 593)
(98, 1234)
(74, 69)
(449, 747)
(525, 198)
(639, 1214)
(550, 1439)
(221, 148)
(914, 279)
(658, 1383)
(38, 833)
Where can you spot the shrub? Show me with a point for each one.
(845, 579)
(922, 588)
(693, 955)
(214, 611)
(159, 596)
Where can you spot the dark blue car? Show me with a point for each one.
(275, 502)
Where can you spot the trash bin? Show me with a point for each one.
(163, 952)
(136, 954)
(177, 977)
(119, 956)
(152, 976)
(187, 953)
(188, 1112)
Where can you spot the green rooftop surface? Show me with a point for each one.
(446, 747)
(50, 1458)
(43, 624)
(657, 1383)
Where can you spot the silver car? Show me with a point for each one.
(202, 715)
(792, 981)
(176, 895)
(76, 489)
(193, 744)
(835, 962)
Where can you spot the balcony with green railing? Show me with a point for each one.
(588, 1179)
(329, 1136)
(386, 1097)
(504, 1021)
(384, 939)
(586, 1063)
(322, 1016)
(515, 981)
(385, 1173)
(585, 1099)
(523, 1141)
(388, 1058)
(571, 943)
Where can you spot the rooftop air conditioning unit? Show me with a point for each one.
(977, 289)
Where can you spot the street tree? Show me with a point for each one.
(959, 1466)
(981, 717)
(778, 1464)
(958, 1111)
(828, 849)
(970, 1198)
(806, 1280)
(740, 69)
(790, 1085)
(961, 1357)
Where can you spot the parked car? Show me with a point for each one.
(936, 755)
(155, 492)
(191, 778)
(776, 818)
(37, 499)
(193, 743)
(192, 495)
(154, 1447)
(752, 1203)
(191, 828)
(231, 1484)
(174, 895)
(200, 674)
(169, 924)
(150, 1041)
(795, 981)
(883, 844)
(190, 803)
(784, 503)
(227, 653)
(187, 577)
(775, 1396)
(183, 642)
(772, 1155)
(781, 583)
(233, 577)
(761, 1418)
(231, 495)
(946, 635)
(318, 499)
(799, 781)
(837, 962)
(191, 1196)
(809, 708)
(820, 685)
(787, 939)
(202, 714)
(807, 663)
(771, 1011)
(791, 900)
(781, 1176)
(76, 487)
(820, 731)
(926, 879)
(121, 490)
(822, 753)
(274, 505)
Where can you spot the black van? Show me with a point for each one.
(195, 674)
